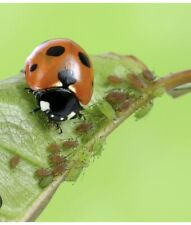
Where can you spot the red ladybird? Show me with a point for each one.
(60, 74)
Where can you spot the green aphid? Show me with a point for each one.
(45, 181)
(143, 111)
(74, 173)
(85, 156)
(107, 110)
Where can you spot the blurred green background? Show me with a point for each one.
(144, 174)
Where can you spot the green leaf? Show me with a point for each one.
(23, 191)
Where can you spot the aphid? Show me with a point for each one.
(54, 148)
(1, 201)
(45, 181)
(83, 127)
(42, 172)
(107, 110)
(136, 82)
(14, 161)
(58, 170)
(143, 111)
(148, 75)
(113, 79)
(70, 144)
(123, 106)
(116, 97)
(56, 159)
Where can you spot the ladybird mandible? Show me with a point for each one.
(59, 73)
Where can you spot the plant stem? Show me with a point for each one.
(174, 80)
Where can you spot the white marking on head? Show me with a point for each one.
(57, 84)
(72, 88)
(61, 118)
(71, 115)
(44, 105)
(51, 115)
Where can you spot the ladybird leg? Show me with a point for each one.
(58, 127)
(22, 71)
(35, 110)
(29, 90)
(81, 116)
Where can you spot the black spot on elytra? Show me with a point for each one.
(33, 67)
(66, 77)
(55, 51)
(92, 83)
(84, 59)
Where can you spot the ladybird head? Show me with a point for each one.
(58, 104)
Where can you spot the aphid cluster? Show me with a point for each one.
(57, 162)
(121, 99)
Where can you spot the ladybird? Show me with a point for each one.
(60, 75)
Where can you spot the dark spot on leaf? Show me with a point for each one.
(55, 51)
(84, 59)
(1, 201)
